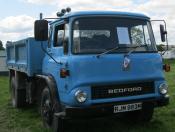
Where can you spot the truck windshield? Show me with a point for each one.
(97, 35)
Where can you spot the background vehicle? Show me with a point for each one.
(93, 64)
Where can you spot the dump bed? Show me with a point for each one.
(25, 56)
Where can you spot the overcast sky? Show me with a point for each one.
(17, 16)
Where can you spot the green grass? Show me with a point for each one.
(16, 120)
(28, 120)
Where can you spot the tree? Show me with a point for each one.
(137, 35)
(1, 46)
(160, 47)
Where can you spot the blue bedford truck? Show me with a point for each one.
(89, 64)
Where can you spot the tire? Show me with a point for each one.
(18, 96)
(47, 112)
(142, 116)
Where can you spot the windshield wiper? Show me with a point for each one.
(115, 48)
(108, 51)
(135, 47)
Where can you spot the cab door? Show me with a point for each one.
(58, 50)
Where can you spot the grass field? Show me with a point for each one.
(28, 120)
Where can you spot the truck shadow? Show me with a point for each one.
(112, 124)
(108, 124)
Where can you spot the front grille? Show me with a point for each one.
(122, 90)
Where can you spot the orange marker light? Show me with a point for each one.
(64, 73)
(166, 67)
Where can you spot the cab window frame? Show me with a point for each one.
(50, 36)
(58, 27)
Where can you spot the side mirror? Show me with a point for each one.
(41, 30)
(163, 33)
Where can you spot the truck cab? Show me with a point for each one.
(107, 56)
(99, 63)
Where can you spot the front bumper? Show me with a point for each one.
(163, 101)
(102, 110)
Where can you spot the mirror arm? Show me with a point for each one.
(166, 36)
(161, 21)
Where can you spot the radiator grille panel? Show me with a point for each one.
(122, 90)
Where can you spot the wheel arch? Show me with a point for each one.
(51, 83)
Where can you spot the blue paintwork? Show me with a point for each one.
(88, 70)
(25, 56)
(104, 13)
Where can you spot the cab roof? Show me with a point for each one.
(103, 13)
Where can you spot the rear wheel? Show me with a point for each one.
(48, 108)
(18, 96)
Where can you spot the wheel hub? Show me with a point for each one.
(47, 111)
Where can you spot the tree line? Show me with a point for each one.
(1, 46)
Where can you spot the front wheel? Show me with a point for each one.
(47, 112)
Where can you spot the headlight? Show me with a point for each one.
(163, 88)
(80, 96)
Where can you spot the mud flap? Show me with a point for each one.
(58, 122)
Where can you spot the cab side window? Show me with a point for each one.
(59, 36)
